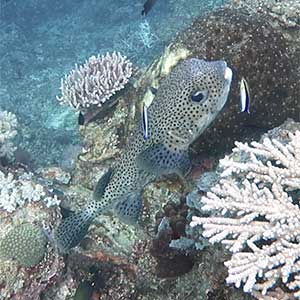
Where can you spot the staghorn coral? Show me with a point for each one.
(257, 216)
(93, 83)
(8, 125)
(25, 243)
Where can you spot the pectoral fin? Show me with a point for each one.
(159, 160)
(128, 210)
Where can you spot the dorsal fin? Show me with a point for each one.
(159, 160)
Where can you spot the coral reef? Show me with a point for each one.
(111, 277)
(204, 281)
(16, 190)
(25, 243)
(256, 214)
(108, 238)
(93, 83)
(155, 269)
(8, 130)
(29, 209)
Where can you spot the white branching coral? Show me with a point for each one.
(8, 125)
(93, 83)
(256, 215)
(15, 192)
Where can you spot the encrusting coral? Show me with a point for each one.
(93, 83)
(256, 215)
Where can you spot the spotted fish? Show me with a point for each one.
(187, 101)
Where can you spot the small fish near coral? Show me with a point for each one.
(185, 104)
(244, 96)
(145, 120)
(148, 6)
(80, 118)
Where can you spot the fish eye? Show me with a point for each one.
(198, 96)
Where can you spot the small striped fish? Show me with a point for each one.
(244, 96)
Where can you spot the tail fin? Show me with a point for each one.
(73, 229)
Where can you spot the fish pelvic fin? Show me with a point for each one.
(129, 208)
(160, 160)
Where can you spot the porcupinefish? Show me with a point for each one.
(186, 102)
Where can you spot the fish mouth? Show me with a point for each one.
(226, 78)
(228, 74)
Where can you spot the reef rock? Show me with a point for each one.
(29, 263)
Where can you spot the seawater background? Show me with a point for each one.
(41, 40)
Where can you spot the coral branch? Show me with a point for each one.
(257, 216)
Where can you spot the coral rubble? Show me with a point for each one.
(17, 190)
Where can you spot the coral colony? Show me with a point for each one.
(98, 79)
(257, 215)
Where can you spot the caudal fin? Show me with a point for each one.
(72, 230)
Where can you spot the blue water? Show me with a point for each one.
(42, 40)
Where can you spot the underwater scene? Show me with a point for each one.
(150, 150)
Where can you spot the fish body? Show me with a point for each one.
(187, 101)
(147, 6)
(244, 96)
